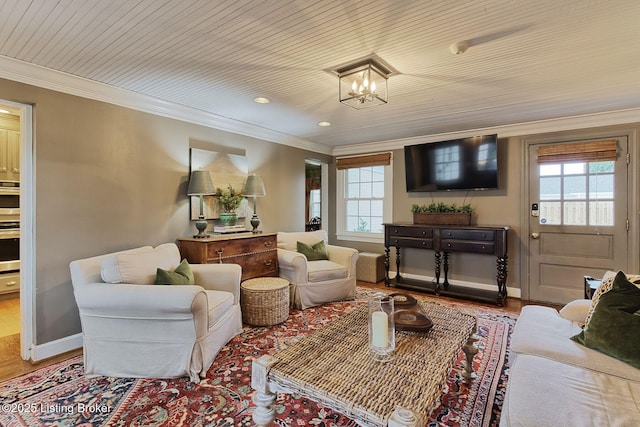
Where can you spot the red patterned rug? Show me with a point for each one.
(59, 395)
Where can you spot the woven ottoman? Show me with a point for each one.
(370, 267)
(264, 301)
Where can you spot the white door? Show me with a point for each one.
(578, 223)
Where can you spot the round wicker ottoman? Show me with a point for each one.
(264, 301)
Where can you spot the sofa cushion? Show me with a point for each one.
(182, 275)
(614, 328)
(289, 241)
(544, 392)
(576, 311)
(319, 271)
(542, 331)
(219, 302)
(109, 265)
(314, 252)
(141, 268)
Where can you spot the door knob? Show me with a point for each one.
(535, 235)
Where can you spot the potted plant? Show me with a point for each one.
(442, 214)
(229, 201)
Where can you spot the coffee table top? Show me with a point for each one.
(332, 365)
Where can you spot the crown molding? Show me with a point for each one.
(23, 72)
(584, 121)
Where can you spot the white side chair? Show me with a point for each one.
(316, 282)
(132, 328)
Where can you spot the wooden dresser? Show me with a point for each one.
(257, 254)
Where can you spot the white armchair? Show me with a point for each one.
(316, 282)
(132, 328)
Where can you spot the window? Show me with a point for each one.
(363, 202)
(577, 193)
(314, 204)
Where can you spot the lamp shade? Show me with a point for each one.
(255, 186)
(200, 184)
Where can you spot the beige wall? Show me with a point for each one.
(110, 178)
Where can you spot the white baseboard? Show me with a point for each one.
(54, 348)
(511, 292)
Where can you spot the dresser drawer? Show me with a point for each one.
(227, 248)
(420, 232)
(411, 243)
(484, 235)
(476, 247)
(256, 265)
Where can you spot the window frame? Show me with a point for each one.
(387, 208)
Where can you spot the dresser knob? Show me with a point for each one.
(268, 244)
(424, 243)
(268, 263)
(448, 245)
(424, 232)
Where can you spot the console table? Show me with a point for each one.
(257, 254)
(443, 239)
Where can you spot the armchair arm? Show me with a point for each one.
(219, 277)
(137, 301)
(292, 266)
(576, 311)
(344, 256)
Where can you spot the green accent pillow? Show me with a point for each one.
(614, 328)
(182, 275)
(315, 252)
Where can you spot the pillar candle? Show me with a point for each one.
(379, 329)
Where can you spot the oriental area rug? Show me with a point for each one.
(60, 395)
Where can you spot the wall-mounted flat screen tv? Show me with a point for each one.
(458, 164)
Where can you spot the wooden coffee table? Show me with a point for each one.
(332, 366)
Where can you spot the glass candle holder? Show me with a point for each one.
(382, 330)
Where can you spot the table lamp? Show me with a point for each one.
(255, 188)
(200, 184)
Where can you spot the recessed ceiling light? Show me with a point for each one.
(324, 124)
(261, 100)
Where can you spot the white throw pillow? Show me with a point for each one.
(141, 268)
(109, 266)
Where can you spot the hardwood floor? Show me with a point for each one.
(12, 365)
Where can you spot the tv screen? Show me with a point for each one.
(458, 164)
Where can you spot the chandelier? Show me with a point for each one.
(363, 84)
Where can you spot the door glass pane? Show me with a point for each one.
(574, 168)
(601, 186)
(551, 213)
(601, 213)
(550, 188)
(575, 213)
(575, 187)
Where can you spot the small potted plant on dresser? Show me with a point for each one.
(229, 201)
(442, 214)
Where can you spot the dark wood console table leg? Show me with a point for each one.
(502, 280)
(445, 283)
(438, 263)
(398, 264)
(386, 266)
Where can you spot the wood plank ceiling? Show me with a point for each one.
(527, 60)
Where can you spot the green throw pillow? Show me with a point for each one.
(182, 275)
(315, 252)
(614, 328)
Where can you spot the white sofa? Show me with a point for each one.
(316, 282)
(132, 328)
(554, 381)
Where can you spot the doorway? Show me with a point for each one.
(16, 169)
(578, 218)
(316, 200)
